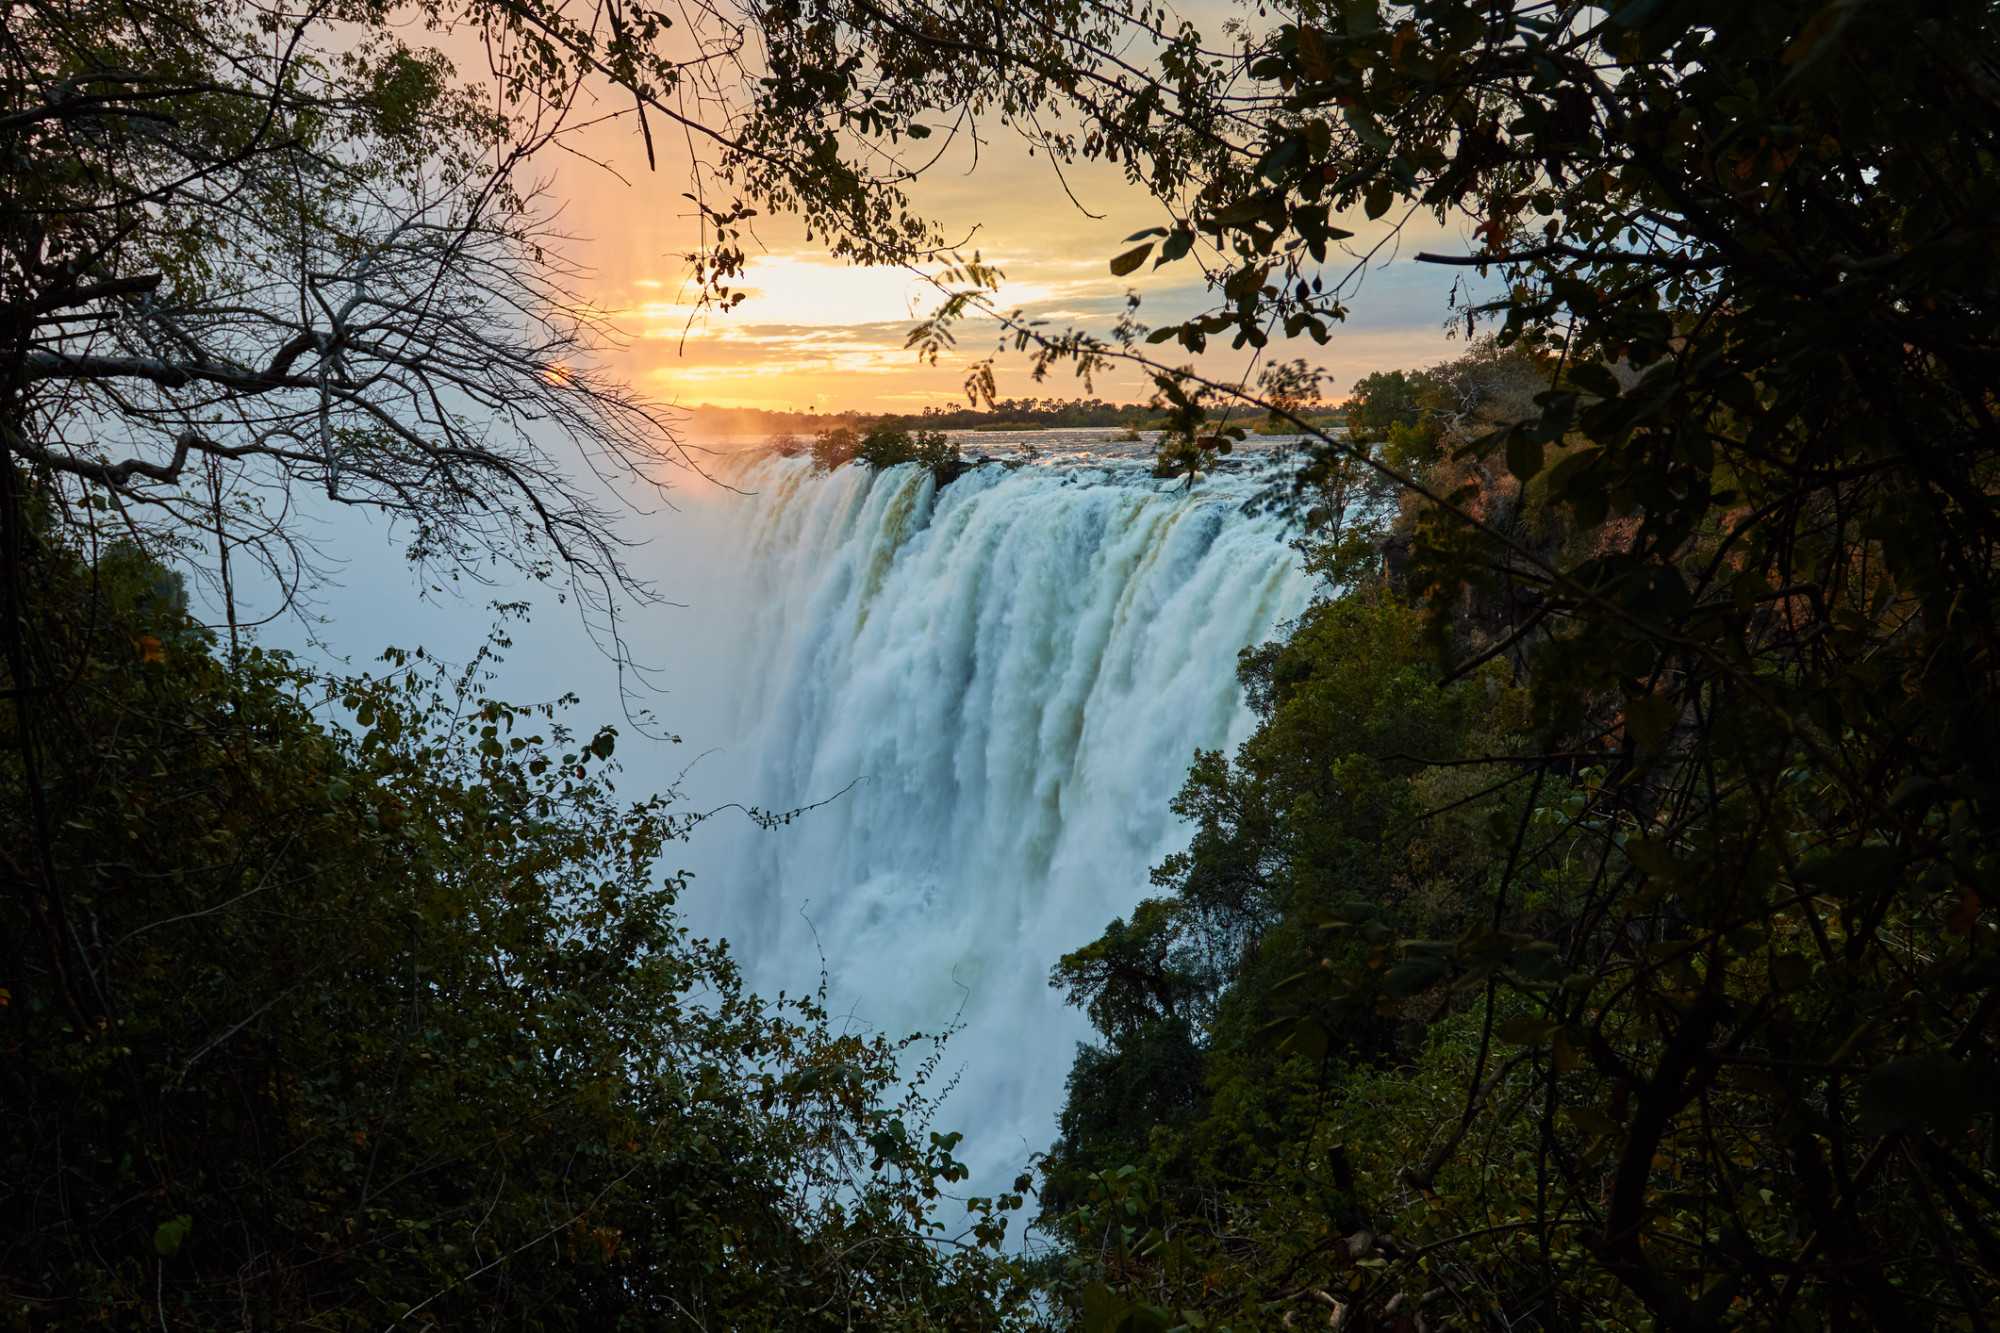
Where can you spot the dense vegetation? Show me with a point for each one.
(362, 1002)
(1466, 958)
(881, 446)
(1597, 931)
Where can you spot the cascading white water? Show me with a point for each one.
(1013, 672)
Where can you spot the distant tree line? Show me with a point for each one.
(1003, 414)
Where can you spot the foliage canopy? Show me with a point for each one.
(363, 1002)
(1692, 1019)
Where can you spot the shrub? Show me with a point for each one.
(329, 1002)
(886, 447)
(831, 448)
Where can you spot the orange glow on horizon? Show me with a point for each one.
(815, 334)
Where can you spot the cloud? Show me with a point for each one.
(812, 331)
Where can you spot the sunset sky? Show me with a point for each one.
(815, 334)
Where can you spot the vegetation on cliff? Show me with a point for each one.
(884, 446)
(1599, 929)
(1479, 953)
(363, 1002)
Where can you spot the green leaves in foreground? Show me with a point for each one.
(399, 1016)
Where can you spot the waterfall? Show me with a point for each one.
(1005, 679)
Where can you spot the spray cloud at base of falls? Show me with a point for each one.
(1005, 680)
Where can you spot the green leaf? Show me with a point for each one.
(1280, 159)
(1414, 975)
(1524, 453)
(1819, 35)
(1569, 469)
(1789, 971)
(1101, 1309)
(1240, 212)
(1593, 377)
(1592, 1120)
(1540, 961)
(167, 1237)
(1636, 13)
(1308, 1039)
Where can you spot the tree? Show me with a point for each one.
(1739, 547)
(889, 446)
(312, 1025)
(1381, 402)
(884, 445)
(242, 261)
(249, 253)
(363, 1003)
(835, 447)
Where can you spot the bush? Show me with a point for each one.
(833, 447)
(328, 1002)
(887, 446)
